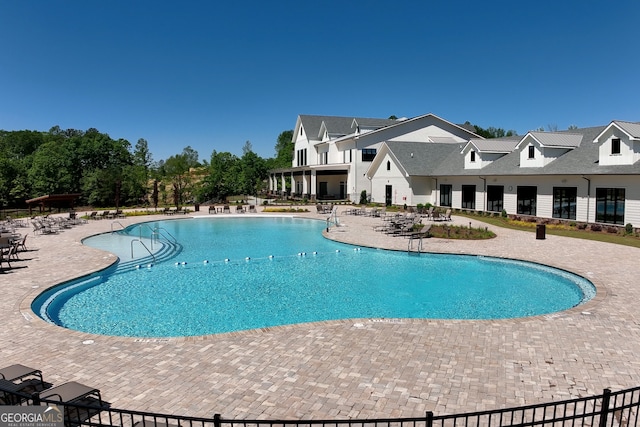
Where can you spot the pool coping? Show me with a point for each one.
(584, 308)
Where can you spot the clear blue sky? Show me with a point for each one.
(214, 74)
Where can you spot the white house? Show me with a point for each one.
(332, 154)
(583, 175)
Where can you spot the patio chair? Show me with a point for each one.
(239, 209)
(93, 215)
(212, 209)
(447, 215)
(6, 250)
(226, 209)
(429, 213)
(252, 209)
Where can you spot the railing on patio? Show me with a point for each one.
(610, 409)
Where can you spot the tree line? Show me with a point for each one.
(111, 172)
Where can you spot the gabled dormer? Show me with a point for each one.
(479, 153)
(363, 125)
(331, 130)
(619, 144)
(538, 149)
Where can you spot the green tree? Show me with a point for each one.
(492, 132)
(177, 173)
(53, 169)
(284, 150)
(252, 171)
(220, 181)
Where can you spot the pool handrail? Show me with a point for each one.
(143, 245)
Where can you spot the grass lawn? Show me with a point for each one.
(561, 230)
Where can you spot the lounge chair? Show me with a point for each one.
(226, 209)
(447, 215)
(93, 214)
(71, 392)
(252, 209)
(19, 379)
(19, 372)
(423, 231)
(240, 209)
(212, 209)
(12, 393)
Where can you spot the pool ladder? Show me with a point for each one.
(410, 245)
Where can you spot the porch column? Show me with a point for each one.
(314, 187)
(293, 184)
(305, 184)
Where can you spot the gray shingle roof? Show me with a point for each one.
(426, 156)
(433, 159)
(582, 160)
(338, 125)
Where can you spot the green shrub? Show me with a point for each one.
(628, 229)
(363, 197)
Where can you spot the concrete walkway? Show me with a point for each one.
(358, 368)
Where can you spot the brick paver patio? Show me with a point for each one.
(344, 369)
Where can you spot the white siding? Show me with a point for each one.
(627, 155)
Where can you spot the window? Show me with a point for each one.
(445, 194)
(324, 158)
(495, 197)
(473, 155)
(469, 196)
(532, 152)
(610, 205)
(564, 202)
(527, 200)
(346, 156)
(368, 154)
(388, 165)
(301, 157)
(615, 146)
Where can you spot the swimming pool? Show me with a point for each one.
(230, 274)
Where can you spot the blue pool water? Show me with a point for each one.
(231, 274)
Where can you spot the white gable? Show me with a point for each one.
(538, 149)
(619, 144)
(479, 153)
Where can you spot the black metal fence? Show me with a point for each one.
(610, 409)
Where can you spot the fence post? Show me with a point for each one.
(604, 412)
(216, 420)
(429, 419)
(36, 399)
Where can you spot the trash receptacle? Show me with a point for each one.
(541, 230)
(196, 207)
